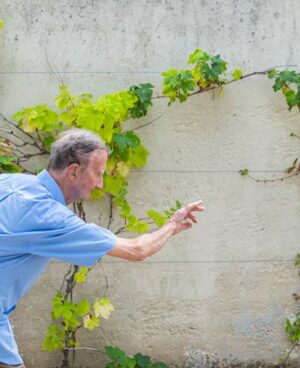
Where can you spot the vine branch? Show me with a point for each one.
(149, 122)
(295, 135)
(263, 72)
(54, 69)
(289, 353)
(85, 348)
(30, 136)
(272, 180)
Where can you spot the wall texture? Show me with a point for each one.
(225, 286)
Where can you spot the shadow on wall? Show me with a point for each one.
(201, 359)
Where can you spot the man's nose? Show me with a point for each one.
(99, 184)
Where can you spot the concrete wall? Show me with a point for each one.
(225, 286)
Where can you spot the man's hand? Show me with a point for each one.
(143, 246)
(181, 218)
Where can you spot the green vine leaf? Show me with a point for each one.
(169, 213)
(135, 225)
(119, 358)
(91, 118)
(160, 219)
(38, 117)
(159, 365)
(123, 205)
(244, 172)
(122, 143)
(8, 165)
(125, 140)
(143, 92)
(97, 194)
(209, 70)
(64, 99)
(80, 275)
(288, 81)
(292, 328)
(157, 218)
(237, 73)
(82, 308)
(1, 24)
(177, 84)
(138, 156)
(57, 303)
(114, 185)
(67, 311)
(143, 361)
(55, 338)
(47, 142)
(198, 57)
(91, 322)
(213, 70)
(271, 74)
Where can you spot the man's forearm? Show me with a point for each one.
(152, 243)
(143, 246)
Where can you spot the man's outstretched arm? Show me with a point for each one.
(141, 247)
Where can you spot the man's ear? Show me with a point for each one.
(73, 171)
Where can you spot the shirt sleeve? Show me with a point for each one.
(53, 231)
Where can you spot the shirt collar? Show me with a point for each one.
(52, 186)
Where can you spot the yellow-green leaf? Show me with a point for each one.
(80, 276)
(220, 91)
(123, 168)
(139, 156)
(237, 73)
(83, 307)
(103, 308)
(97, 194)
(91, 322)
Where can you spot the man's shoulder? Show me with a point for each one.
(21, 184)
(27, 205)
(17, 180)
(21, 191)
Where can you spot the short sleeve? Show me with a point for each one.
(53, 231)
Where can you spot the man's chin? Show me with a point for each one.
(86, 197)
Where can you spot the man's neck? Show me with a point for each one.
(63, 183)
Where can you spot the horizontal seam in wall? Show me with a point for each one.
(80, 72)
(198, 262)
(206, 171)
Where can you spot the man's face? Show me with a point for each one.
(91, 177)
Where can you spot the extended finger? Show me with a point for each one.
(195, 206)
(198, 208)
(193, 218)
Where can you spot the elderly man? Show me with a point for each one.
(36, 225)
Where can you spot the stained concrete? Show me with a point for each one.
(225, 286)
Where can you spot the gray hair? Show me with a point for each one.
(74, 146)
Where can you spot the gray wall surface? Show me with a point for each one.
(225, 286)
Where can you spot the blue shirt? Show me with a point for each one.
(35, 226)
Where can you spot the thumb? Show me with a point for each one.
(184, 226)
